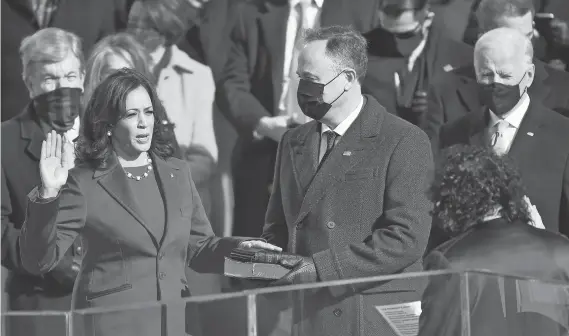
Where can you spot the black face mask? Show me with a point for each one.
(59, 108)
(500, 98)
(310, 100)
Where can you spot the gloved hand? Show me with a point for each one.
(560, 32)
(419, 106)
(303, 270)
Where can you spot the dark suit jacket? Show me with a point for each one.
(123, 262)
(540, 153)
(364, 213)
(210, 42)
(91, 20)
(437, 58)
(455, 94)
(505, 248)
(21, 146)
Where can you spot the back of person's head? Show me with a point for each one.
(516, 14)
(112, 53)
(49, 45)
(472, 183)
(106, 108)
(160, 22)
(344, 45)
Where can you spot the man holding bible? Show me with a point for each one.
(349, 197)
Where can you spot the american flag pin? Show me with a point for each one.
(530, 133)
(347, 153)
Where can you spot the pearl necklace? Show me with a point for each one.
(145, 175)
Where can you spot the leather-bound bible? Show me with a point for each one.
(256, 264)
(250, 270)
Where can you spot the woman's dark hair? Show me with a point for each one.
(470, 183)
(106, 107)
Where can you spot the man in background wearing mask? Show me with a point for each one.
(52, 62)
(350, 192)
(455, 93)
(516, 124)
(406, 51)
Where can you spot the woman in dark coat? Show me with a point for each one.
(135, 206)
(479, 197)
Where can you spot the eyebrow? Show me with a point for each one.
(307, 74)
(144, 109)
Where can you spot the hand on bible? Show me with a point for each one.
(251, 244)
(54, 165)
(303, 271)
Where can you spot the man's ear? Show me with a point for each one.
(352, 78)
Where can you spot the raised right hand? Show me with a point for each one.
(53, 165)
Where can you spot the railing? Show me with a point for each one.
(468, 303)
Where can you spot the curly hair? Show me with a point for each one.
(106, 107)
(473, 182)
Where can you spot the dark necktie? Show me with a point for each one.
(331, 135)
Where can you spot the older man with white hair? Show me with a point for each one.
(455, 93)
(514, 123)
(52, 63)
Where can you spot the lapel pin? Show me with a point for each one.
(347, 153)
(530, 133)
(171, 175)
(448, 68)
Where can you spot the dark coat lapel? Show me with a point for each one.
(304, 155)
(114, 181)
(478, 124)
(167, 176)
(273, 32)
(32, 132)
(352, 148)
(529, 135)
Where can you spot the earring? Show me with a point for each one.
(109, 133)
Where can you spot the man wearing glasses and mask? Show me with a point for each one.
(53, 71)
(406, 51)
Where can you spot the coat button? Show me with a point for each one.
(337, 312)
(331, 225)
(160, 255)
(161, 275)
(78, 250)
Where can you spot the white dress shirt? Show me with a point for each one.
(340, 129)
(513, 118)
(311, 20)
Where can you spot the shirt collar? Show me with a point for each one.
(318, 3)
(344, 125)
(515, 116)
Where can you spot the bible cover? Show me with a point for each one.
(251, 270)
